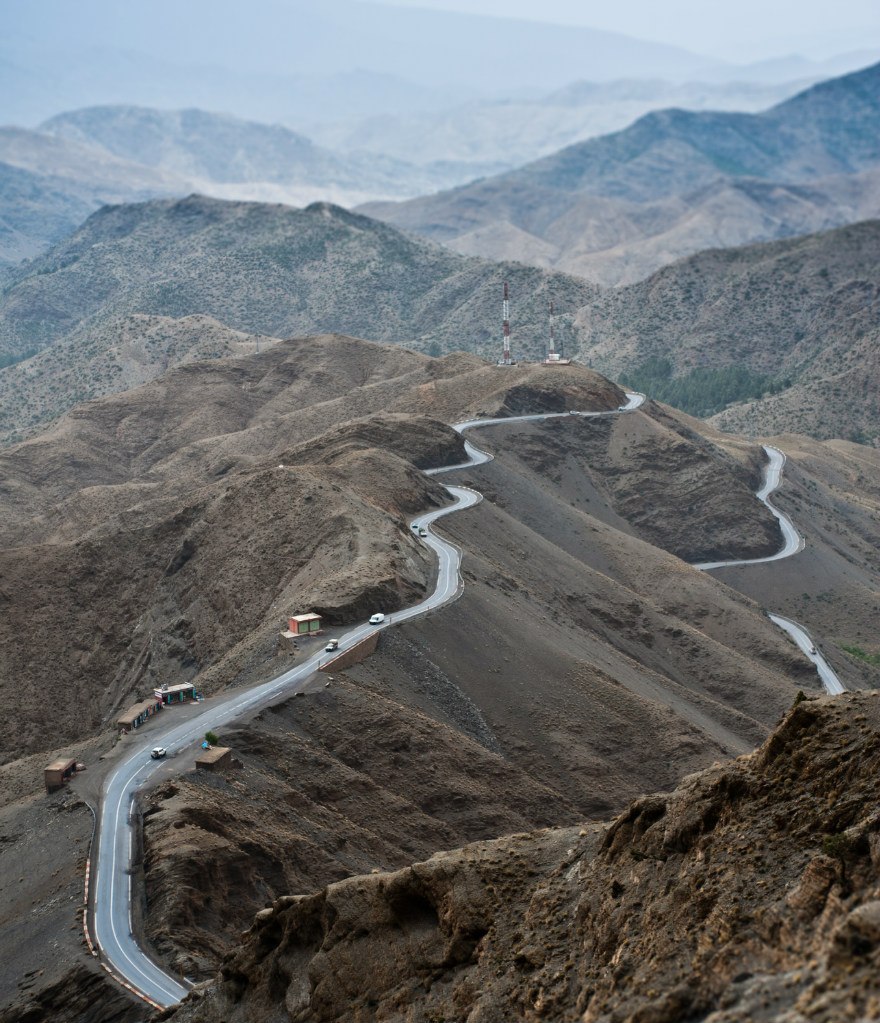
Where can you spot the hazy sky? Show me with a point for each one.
(738, 30)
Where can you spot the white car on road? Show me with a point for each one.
(377, 618)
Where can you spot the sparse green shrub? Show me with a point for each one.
(862, 655)
(211, 737)
(839, 846)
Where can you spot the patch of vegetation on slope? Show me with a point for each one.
(861, 654)
(801, 311)
(702, 391)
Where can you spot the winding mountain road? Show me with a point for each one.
(111, 887)
(833, 685)
(111, 877)
(792, 543)
(111, 880)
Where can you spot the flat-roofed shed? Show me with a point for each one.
(305, 625)
(58, 772)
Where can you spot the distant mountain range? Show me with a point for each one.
(515, 130)
(675, 182)
(130, 294)
(82, 313)
(612, 209)
(281, 60)
(219, 150)
(49, 185)
(52, 178)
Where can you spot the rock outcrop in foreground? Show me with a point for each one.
(751, 892)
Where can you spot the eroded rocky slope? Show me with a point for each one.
(581, 664)
(749, 893)
(173, 528)
(346, 779)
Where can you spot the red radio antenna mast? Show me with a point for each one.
(505, 355)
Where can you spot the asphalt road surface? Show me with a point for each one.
(111, 893)
(792, 543)
(111, 896)
(799, 634)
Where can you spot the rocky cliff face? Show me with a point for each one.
(340, 782)
(751, 892)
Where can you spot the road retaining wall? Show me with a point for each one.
(359, 652)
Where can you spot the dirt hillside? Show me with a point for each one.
(581, 660)
(172, 529)
(168, 532)
(748, 894)
(105, 360)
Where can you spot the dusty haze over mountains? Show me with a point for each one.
(279, 57)
(252, 259)
(615, 208)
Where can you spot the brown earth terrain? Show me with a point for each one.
(173, 528)
(750, 893)
(614, 240)
(590, 663)
(158, 526)
(596, 665)
(343, 780)
(582, 666)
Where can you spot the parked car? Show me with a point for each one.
(377, 618)
(158, 752)
(332, 645)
